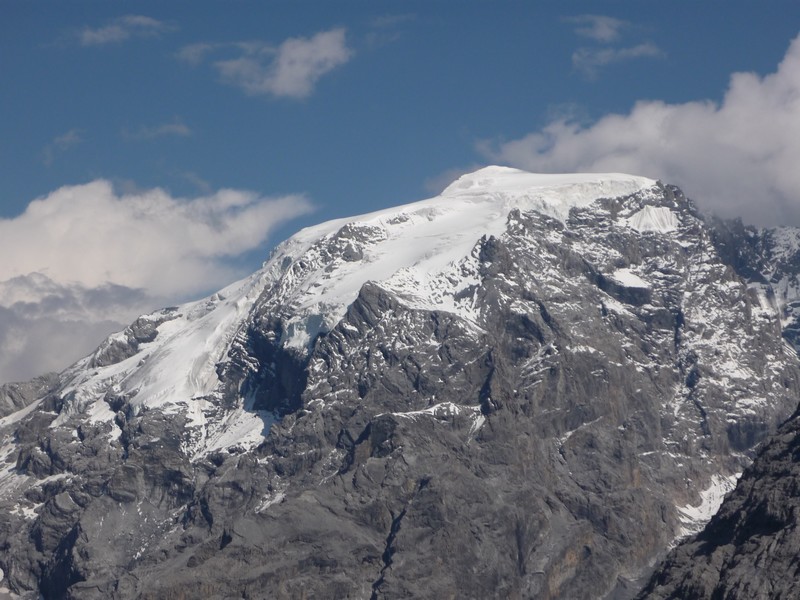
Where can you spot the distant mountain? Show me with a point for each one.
(531, 386)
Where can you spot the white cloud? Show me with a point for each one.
(598, 27)
(60, 144)
(290, 70)
(91, 235)
(122, 29)
(739, 157)
(176, 127)
(590, 60)
(85, 260)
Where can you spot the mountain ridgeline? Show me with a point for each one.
(531, 386)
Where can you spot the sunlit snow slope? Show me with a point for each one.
(405, 247)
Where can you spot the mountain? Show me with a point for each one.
(750, 547)
(528, 386)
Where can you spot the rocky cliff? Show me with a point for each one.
(750, 547)
(527, 387)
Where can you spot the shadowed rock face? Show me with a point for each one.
(750, 547)
(530, 436)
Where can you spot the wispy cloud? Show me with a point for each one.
(737, 158)
(195, 54)
(200, 184)
(122, 29)
(86, 259)
(290, 70)
(599, 28)
(607, 32)
(60, 144)
(590, 60)
(386, 29)
(176, 127)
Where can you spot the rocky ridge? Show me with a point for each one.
(522, 388)
(750, 547)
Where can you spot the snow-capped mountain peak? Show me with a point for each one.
(553, 370)
(420, 251)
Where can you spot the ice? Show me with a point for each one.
(552, 194)
(242, 428)
(415, 243)
(653, 218)
(175, 371)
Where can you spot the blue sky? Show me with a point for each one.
(170, 145)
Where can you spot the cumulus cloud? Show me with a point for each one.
(599, 28)
(176, 127)
(91, 235)
(85, 259)
(738, 157)
(122, 29)
(290, 70)
(590, 60)
(60, 144)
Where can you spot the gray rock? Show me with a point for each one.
(534, 442)
(750, 547)
(16, 396)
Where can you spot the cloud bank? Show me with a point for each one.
(85, 260)
(738, 157)
(45, 325)
(290, 70)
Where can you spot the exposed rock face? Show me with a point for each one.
(750, 547)
(16, 396)
(507, 392)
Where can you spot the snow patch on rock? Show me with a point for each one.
(694, 517)
(653, 218)
(628, 278)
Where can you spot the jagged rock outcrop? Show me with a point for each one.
(514, 390)
(16, 396)
(750, 547)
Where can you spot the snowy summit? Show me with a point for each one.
(551, 334)
(407, 249)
